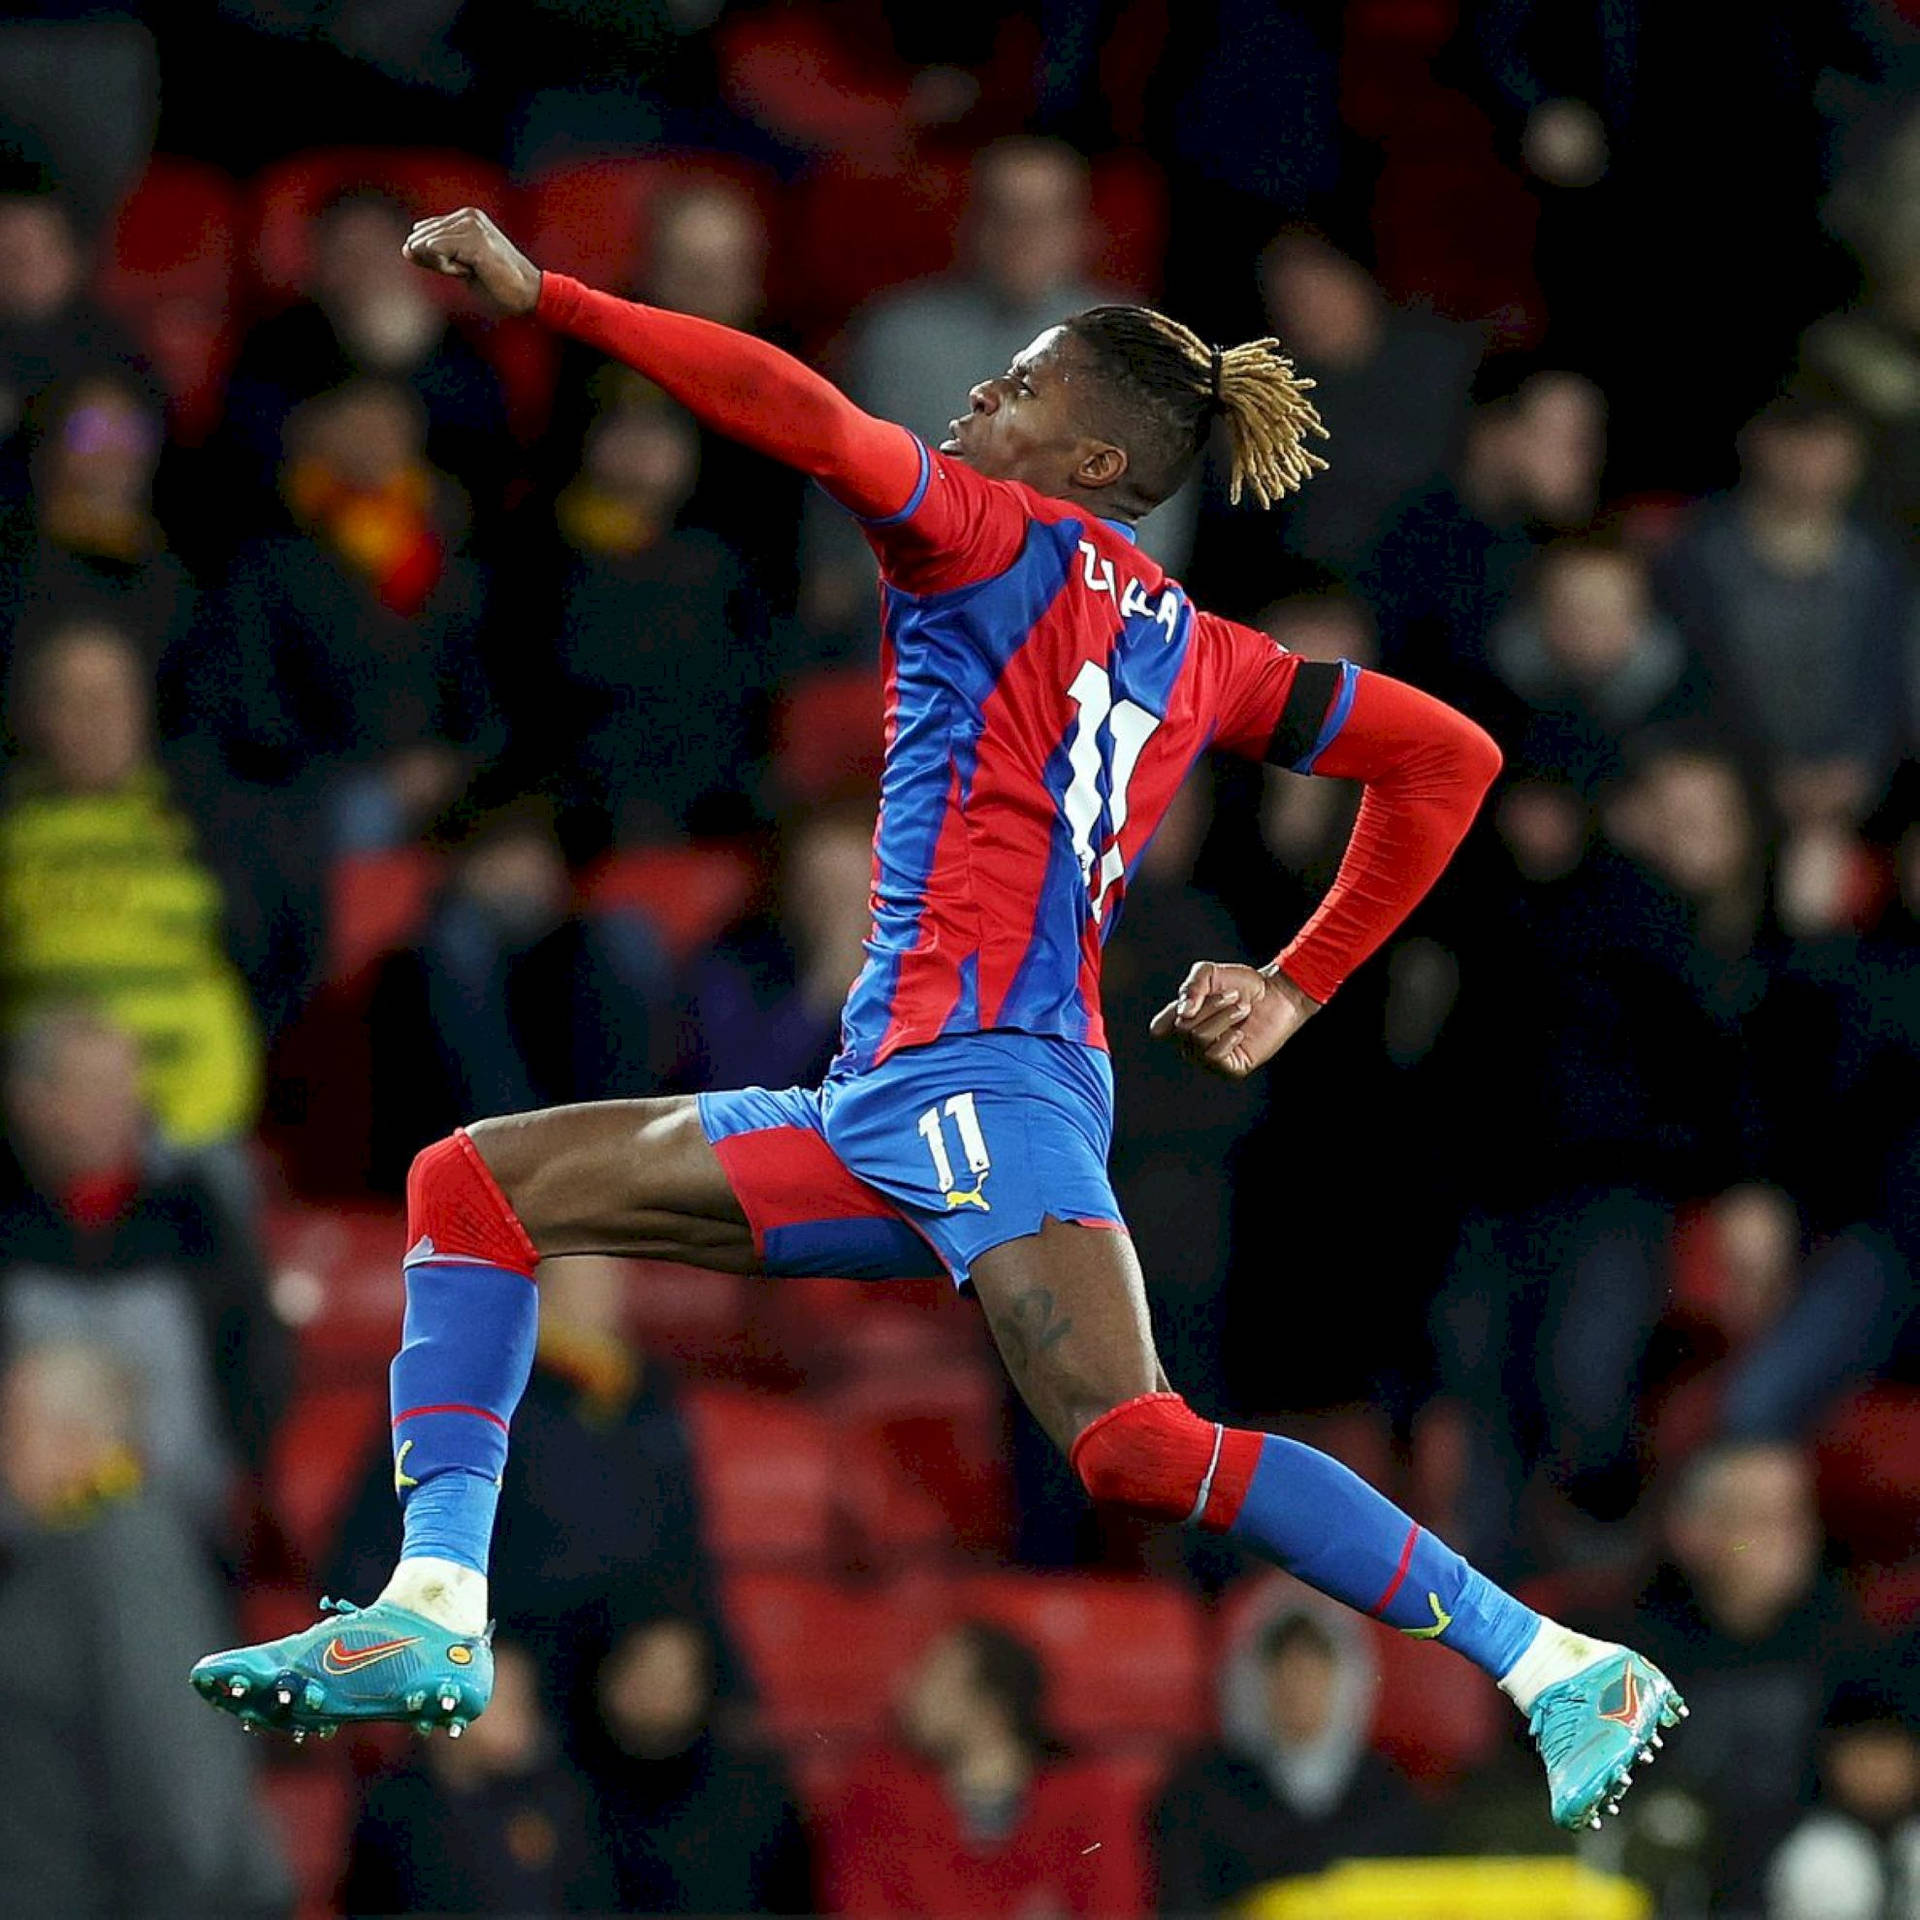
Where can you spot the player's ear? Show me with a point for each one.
(1101, 465)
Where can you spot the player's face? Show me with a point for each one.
(1024, 424)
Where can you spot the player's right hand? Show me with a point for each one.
(469, 246)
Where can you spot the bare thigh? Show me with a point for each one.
(632, 1177)
(1068, 1311)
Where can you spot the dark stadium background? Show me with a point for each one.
(405, 719)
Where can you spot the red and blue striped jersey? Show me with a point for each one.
(1048, 688)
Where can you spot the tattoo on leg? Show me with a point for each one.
(1040, 1320)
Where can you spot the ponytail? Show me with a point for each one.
(1268, 418)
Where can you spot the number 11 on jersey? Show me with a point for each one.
(973, 1144)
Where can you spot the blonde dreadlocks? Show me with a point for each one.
(1167, 386)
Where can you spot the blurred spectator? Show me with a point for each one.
(93, 544)
(1589, 662)
(494, 1822)
(1787, 1328)
(765, 1001)
(1857, 1855)
(600, 1512)
(1391, 387)
(918, 353)
(141, 1803)
(1741, 1608)
(1802, 612)
(1291, 1786)
(106, 894)
(693, 1822)
(510, 999)
(104, 1239)
(1647, 981)
(706, 255)
(1648, 142)
(51, 332)
(347, 656)
(981, 1815)
(1449, 560)
(1025, 248)
(645, 699)
(368, 313)
(1868, 354)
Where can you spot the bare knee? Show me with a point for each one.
(619, 1176)
(1153, 1456)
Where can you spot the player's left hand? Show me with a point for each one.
(1232, 1019)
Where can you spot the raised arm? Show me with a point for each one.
(1426, 770)
(739, 386)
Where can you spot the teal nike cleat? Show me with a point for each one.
(1594, 1727)
(372, 1663)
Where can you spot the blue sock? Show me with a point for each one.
(1328, 1527)
(465, 1353)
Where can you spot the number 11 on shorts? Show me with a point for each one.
(973, 1144)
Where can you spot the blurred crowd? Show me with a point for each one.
(408, 717)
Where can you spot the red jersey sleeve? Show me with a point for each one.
(1425, 769)
(749, 390)
(934, 523)
(955, 529)
(1256, 680)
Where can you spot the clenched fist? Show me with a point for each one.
(1231, 1019)
(469, 246)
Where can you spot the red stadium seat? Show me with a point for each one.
(825, 1653)
(336, 1277)
(312, 1800)
(1889, 1597)
(377, 902)
(594, 219)
(828, 733)
(855, 230)
(690, 894)
(890, 1515)
(1127, 1658)
(285, 197)
(859, 228)
(1438, 1717)
(1869, 1466)
(941, 1427)
(167, 271)
(767, 1471)
(319, 1455)
(692, 1316)
(1130, 219)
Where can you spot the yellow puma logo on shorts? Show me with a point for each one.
(968, 1196)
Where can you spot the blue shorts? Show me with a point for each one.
(923, 1163)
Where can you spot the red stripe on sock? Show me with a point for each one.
(479, 1413)
(1380, 1606)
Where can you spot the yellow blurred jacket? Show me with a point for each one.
(105, 900)
(1468, 1889)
